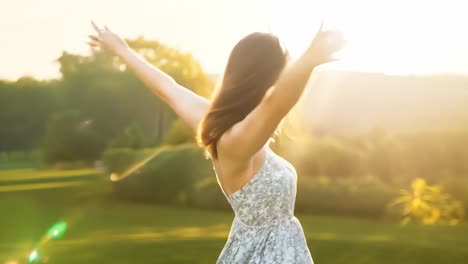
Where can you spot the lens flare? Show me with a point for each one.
(57, 230)
(117, 177)
(85, 123)
(33, 257)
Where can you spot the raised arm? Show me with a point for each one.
(189, 106)
(253, 132)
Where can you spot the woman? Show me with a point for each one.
(258, 89)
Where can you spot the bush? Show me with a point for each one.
(458, 188)
(208, 195)
(117, 160)
(3, 157)
(181, 175)
(428, 204)
(21, 159)
(18, 156)
(394, 158)
(168, 178)
(356, 197)
(328, 156)
(36, 155)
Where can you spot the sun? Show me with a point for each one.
(396, 37)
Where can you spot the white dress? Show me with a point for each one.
(264, 229)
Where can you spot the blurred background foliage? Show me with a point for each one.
(98, 111)
(429, 204)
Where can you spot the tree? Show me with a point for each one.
(102, 89)
(179, 133)
(132, 137)
(69, 137)
(25, 106)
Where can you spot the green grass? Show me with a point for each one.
(30, 179)
(18, 165)
(28, 174)
(105, 230)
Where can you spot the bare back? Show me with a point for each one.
(233, 174)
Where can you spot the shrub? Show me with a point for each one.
(18, 156)
(3, 157)
(36, 155)
(181, 175)
(428, 204)
(207, 194)
(117, 160)
(167, 178)
(21, 159)
(458, 188)
(357, 196)
(392, 157)
(328, 156)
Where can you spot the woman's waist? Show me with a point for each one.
(266, 221)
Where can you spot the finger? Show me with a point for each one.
(95, 38)
(93, 43)
(95, 27)
(107, 29)
(321, 24)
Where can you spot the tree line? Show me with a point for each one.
(94, 103)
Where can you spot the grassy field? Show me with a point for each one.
(103, 229)
(30, 179)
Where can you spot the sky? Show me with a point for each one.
(398, 36)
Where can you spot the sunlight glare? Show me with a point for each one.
(385, 36)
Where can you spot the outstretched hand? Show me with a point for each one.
(325, 44)
(106, 39)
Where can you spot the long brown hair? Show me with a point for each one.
(254, 66)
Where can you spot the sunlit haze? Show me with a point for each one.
(386, 36)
